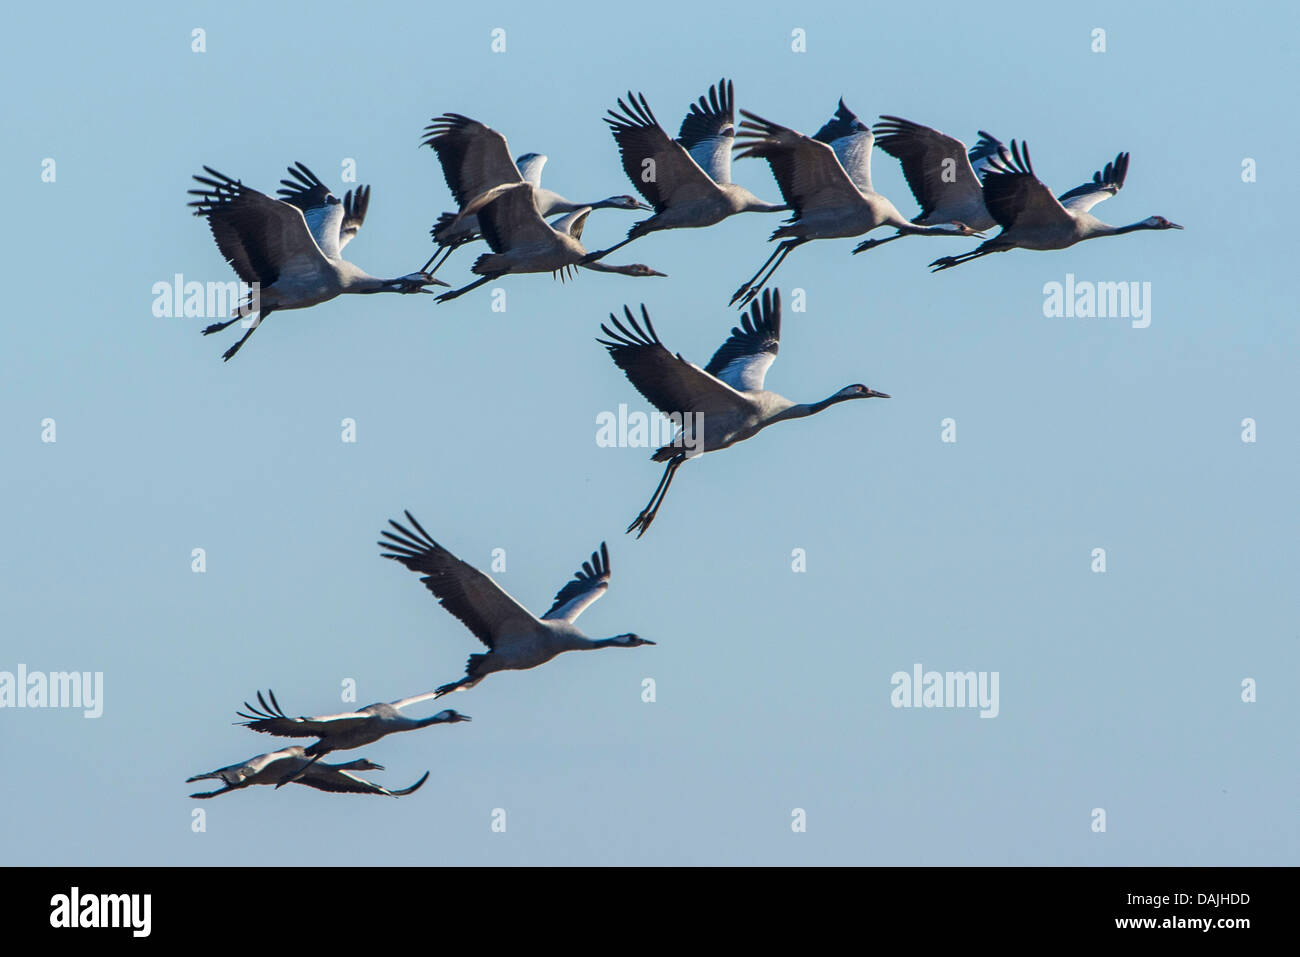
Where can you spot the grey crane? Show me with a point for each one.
(826, 179)
(485, 182)
(1032, 218)
(451, 231)
(515, 638)
(523, 242)
(719, 405)
(274, 766)
(686, 180)
(289, 250)
(942, 175)
(343, 731)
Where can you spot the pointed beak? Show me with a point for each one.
(465, 717)
(649, 642)
(648, 209)
(1174, 226)
(873, 394)
(976, 234)
(655, 272)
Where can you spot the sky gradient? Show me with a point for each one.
(1120, 691)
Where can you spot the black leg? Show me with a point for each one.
(744, 288)
(786, 248)
(226, 356)
(873, 243)
(446, 296)
(642, 521)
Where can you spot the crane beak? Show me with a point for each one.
(873, 394)
(1174, 226)
(643, 206)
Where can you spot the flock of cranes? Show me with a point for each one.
(290, 252)
(515, 638)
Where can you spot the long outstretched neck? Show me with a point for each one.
(598, 266)
(365, 283)
(912, 229)
(615, 642)
(1105, 230)
(804, 409)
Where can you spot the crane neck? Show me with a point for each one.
(804, 409)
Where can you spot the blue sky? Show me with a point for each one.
(1120, 691)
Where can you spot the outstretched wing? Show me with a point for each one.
(743, 360)
(530, 167)
(935, 164)
(328, 777)
(709, 131)
(572, 223)
(475, 158)
(1013, 195)
(319, 207)
(262, 238)
(1104, 184)
(851, 139)
(271, 719)
(512, 220)
(986, 148)
(670, 383)
(479, 602)
(658, 166)
(355, 205)
(588, 583)
(807, 170)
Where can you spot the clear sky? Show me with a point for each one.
(1119, 691)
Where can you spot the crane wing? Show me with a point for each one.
(670, 383)
(986, 148)
(807, 170)
(851, 139)
(475, 158)
(480, 603)
(1013, 195)
(743, 360)
(659, 167)
(260, 237)
(709, 131)
(530, 167)
(1104, 184)
(329, 777)
(271, 719)
(934, 164)
(512, 220)
(355, 205)
(588, 583)
(320, 208)
(572, 223)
